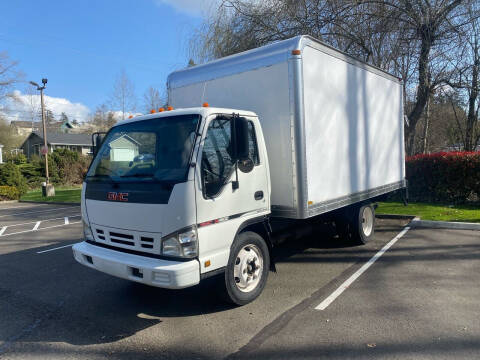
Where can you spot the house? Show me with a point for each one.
(124, 148)
(23, 128)
(81, 143)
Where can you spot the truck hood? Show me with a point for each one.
(143, 210)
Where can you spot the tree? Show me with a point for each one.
(8, 138)
(9, 76)
(123, 95)
(411, 38)
(63, 117)
(103, 119)
(152, 99)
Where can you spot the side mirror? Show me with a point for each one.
(240, 138)
(97, 140)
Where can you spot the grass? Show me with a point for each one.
(62, 194)
(438, 212)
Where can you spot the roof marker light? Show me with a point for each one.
(296, 52)
(161, 110)
(169, 108)
(205, 104)
(152, 111)
(131, 116)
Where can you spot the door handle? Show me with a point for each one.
(258, 195)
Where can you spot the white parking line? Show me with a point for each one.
(61, 247)
(34, 222)
(45, 228)
(38, 211)
(2, 230)
(37, 224)
(331, 298)
(66, 220)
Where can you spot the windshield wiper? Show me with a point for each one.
(137, 175)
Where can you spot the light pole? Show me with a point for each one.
(49, 190)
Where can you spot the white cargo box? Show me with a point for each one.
(333, 125)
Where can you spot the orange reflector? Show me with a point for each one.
(152, 111)
(161, 110)
(131, 116)
(310, 202)
(296, 52)
(207, 263)
(205, 104)
(169, 108)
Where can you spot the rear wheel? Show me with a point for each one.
(247, 269)
(357, 224)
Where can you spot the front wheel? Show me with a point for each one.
(247, 269)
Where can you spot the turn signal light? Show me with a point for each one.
(152, 111)
(161, 110)
(169, 108)
(205, 104)
(296, 52)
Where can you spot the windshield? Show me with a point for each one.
(156, 149)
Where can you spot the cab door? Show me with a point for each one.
(221, 206)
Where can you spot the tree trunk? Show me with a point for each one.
(470, 141)
(423, 90)
(425, 128)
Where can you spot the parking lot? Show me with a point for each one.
(419, 299)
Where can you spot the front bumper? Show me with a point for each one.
(154, 272)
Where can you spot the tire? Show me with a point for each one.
(357, 225)
(247, 269)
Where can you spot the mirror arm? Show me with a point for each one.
(235, 184)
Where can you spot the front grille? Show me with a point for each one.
(134, 240)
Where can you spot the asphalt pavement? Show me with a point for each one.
(418, 300)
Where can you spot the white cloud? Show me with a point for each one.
(191, 7)
(25, 105)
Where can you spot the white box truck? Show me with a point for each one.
(291, 130)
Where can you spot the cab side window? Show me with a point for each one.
(217, 163)
(252, 144)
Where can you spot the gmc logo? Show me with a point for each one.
(114, 196)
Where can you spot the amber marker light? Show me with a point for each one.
(296, 52)
(152, 111)
(207, 263)
(131, 116)
(161, 110)
(169, 108)
(205, 104)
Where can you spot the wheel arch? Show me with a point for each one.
(261, 226)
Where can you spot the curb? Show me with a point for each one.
(8, 201)
(444, 225)
(50, 202)
(395, 216)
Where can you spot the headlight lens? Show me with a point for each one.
(87, 232)
(183, 243)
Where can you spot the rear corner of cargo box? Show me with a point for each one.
(354, 131)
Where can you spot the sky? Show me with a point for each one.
(82, 46)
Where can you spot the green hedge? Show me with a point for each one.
(444, 177)
(9, 193)
(10, 175)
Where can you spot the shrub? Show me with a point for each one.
(10, 175)
(441, 177)
(16, 159)
(9, 193)
(71, 166)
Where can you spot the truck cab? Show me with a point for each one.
(171, 198)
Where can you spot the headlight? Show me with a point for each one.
(87, 232)
(183, 243)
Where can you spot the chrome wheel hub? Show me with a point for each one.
(367, 220)
(248, 268)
